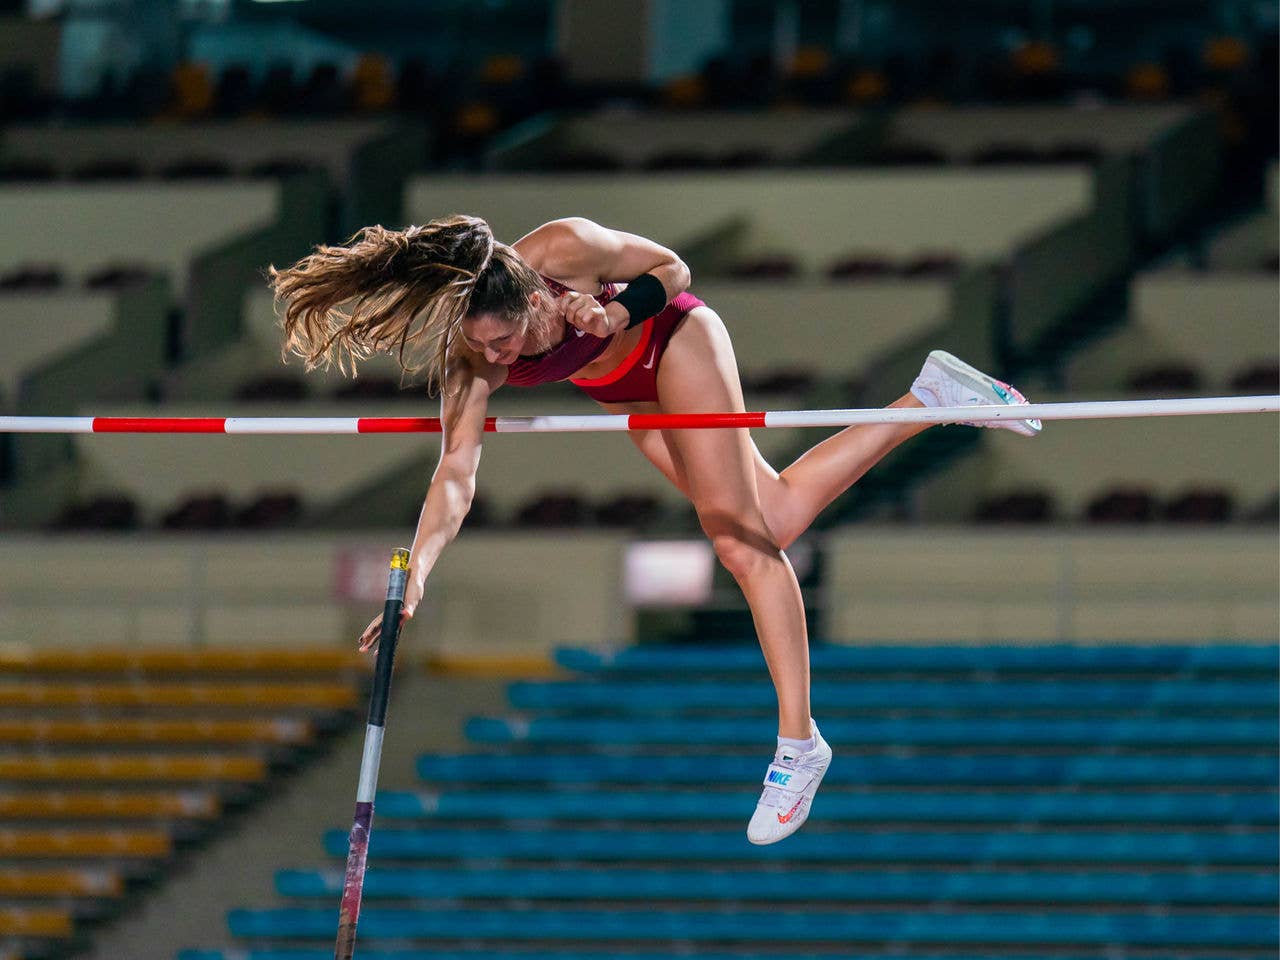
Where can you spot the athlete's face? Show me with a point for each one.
(496, 339)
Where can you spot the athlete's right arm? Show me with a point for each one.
(453, 485)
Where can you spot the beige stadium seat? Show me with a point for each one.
(36, 922)
(41, 327)
(43, 732)
(72, 844)
(279, 696)
(633, 139)
(241, 144)
(1075, 460)
(78, 226)
(156, 768)
(292, 661)
(962, 132)
(1216, 322)
(810, 215)
(109, 805)
(29, 882)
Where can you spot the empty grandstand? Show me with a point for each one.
(1047, 669)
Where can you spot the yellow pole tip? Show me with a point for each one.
(400, 559)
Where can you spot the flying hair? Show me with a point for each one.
(398, 291)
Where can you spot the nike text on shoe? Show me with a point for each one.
(946, 381)
(789, 785)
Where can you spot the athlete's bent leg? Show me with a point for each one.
(791, 500)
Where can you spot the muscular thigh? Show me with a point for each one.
(699, 374)
(660, 447)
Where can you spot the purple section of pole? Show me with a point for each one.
(353, 885)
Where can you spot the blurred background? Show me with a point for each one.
(1048, 668)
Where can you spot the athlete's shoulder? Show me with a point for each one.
(568, 248)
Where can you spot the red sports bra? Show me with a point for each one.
(570, 355)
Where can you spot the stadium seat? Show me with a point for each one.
(205, 511)
(778, 266)
(117, 276)
(564, 508)
(631, 510)
(1122, 505)
(157, 768)
(281, 696)
(43, 732)
(955, 806)
(424, 883)
(1093, 698)
(1022, 506)
(280, 508)
(105, 512)
(939, 659)
(83, 844)
(273, 388)
(289, 661)
(1261, 378)
(83, 882)
(1200, 506)
(911, 734)
(923, 768)
(1165, 378)
(368, 388)
(32, 277)
(109, 805)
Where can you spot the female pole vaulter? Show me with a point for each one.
(611, 312)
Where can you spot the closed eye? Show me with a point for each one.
(479, 347)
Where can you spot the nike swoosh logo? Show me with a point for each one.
(653, 355)
(790, 813)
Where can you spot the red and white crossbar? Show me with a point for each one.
(1092, 410)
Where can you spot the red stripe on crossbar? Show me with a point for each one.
(403, 425)
(159, 424)
(678, 421)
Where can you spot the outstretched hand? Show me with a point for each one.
(373, 632)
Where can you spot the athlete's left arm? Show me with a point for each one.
(579, 248)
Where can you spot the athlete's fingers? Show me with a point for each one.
(369, 638)
(586, 314)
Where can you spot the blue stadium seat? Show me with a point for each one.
(596, 731)
(772, 926)
(836, 804)
(1063, 801)
(935, 659)
(802, 885)
(923, 767)
(431, 953)
(812, 845)
(639, 696)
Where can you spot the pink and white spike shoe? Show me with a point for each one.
(946, 381)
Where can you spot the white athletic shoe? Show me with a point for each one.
(945, 381)
(789, 786)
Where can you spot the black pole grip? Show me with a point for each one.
(390, 633)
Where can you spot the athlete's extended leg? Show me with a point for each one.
(718, 470)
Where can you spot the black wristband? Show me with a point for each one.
(644, 297)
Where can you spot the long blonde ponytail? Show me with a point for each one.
(403, 291)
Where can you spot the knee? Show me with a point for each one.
(742, 550)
